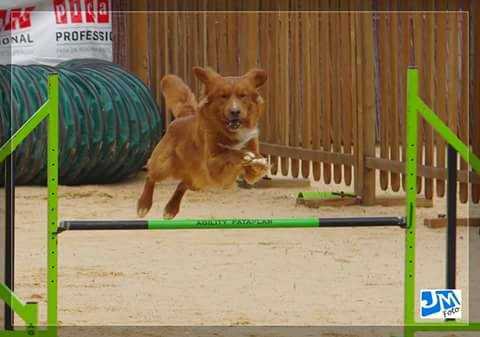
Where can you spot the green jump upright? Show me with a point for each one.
(29, 311)
(416, 108)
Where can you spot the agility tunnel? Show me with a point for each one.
(109, 121)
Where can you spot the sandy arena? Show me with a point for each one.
(224, 277)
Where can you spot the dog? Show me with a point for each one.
(210, 143)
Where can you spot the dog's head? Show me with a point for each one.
(231, 104)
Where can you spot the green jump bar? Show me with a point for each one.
(76, 225)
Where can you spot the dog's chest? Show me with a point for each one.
(243, 136)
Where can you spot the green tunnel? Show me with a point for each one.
(109, 121)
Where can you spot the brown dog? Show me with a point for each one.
(210, 143)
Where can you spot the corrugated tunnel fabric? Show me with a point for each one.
(109, 121)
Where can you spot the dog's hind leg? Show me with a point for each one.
(173, 205)
(156, 173)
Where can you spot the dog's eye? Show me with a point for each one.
(225, 96)
(242, 95)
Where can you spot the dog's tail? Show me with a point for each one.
(179, 99)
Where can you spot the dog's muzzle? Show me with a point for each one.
(234, 123)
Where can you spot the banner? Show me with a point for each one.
(52, 31)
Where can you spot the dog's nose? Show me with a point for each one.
(235, 112)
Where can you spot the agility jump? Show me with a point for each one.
(29, 311)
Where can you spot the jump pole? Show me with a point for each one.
(76, 225)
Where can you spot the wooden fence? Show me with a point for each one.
(336, 89)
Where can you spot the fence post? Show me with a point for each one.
(364, 176)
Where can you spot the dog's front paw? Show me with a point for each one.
(249, 159)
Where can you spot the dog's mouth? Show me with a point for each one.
(233, 124)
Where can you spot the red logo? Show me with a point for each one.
(13, 19)
(82, 11)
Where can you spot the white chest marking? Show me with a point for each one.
(243, 137)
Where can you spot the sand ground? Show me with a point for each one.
(225, 277)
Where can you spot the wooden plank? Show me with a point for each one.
(385, 91)
(347, 87)
(222, 44)
(442, 222)
(394, 111)
(343, 77)
(198, 44)
(252, 34)
(167, 52)
(307, 154)
(379, 201)
(265, 64)
(325, 74)
(138, 26)
(183, 42)
(341, 202)
(232, 51)
(369, 112)
(353, 100)
(278, 182)
(316, 93)
(273, 99)
(120, 36)
(265, 54)
(401, 201)
(418, 28)
(162, 54)
(475, 135)
(452, 66)
(242, 37)
(464, 119)
(295, 90)
(152, 39)
(211, 36)
(441, 89)
(423, 171)
(307, 90)
(337, 93)
(191, 40)
(174, 43)
(283, 81)
(202, 41)
(404, 61)
(359, 149)
(429, 83)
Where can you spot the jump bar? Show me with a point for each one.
(229, 223)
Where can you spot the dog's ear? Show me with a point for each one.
(205, 75)
(201, 74)
(257, 77)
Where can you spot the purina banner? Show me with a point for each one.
(52, 31)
